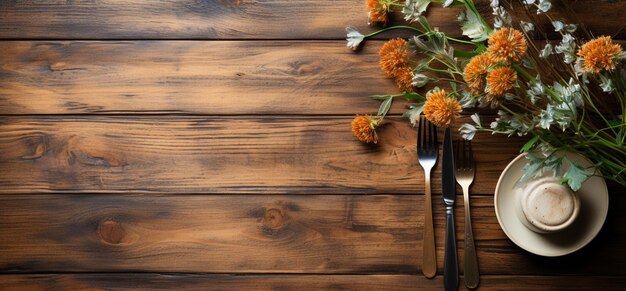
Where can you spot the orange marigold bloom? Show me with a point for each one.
(599, 54)
(364, 128)
(475, 71)
(441, 110)
(394, 55)
(377, 11)
(500, 80)
(507, 44)
(404, 79)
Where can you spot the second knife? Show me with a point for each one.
(448, 188)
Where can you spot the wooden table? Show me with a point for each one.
(206, 145)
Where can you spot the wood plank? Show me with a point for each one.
(362, 234)
(245, 155)
(240, 19)
(294, 282)
(190, 77)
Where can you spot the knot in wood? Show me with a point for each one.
(111, 232)
(273, 218)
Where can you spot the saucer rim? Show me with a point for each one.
(592, 232)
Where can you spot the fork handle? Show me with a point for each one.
(471, 261)
(429, 259)
(450, 264)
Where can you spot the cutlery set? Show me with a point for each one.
(456, 168)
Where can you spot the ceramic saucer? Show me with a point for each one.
(594, 206)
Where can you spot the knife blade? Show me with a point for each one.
(448, 188)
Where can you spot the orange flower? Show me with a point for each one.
(507, 44)
(500, 80)
(475, 71)
(377, 11)
(599, 54)
(394, 55)
(404, 79)
(441, 110)
(364, 128)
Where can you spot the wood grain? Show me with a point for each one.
(238, 19)
(193, 77)
(237, 155)
(292, 282)
(344, 234)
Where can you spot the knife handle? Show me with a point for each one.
(450, 264)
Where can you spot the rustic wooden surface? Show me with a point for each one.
(206, 145)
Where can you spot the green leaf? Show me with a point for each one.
(575, 176)
(472, 26)
(384, 107)
(412, 96)
(532, 169)
(453, 86)
(380, 97)
(529, 144)
(414, 113)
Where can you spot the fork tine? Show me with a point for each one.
(420, 131)
(462, 156)
(433, 136)
(458, 161)
(471, 154)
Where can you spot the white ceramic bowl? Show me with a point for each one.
(594, 206)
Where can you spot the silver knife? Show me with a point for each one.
(448, 188)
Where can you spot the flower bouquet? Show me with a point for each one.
(565, 95)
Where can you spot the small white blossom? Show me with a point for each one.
(558, 25)
(419, 80)
(413, 9)
(502, 18)
(543, 6)
(535, 90)
(546, 51)
(354, 38)
(468, 131)
(606, 84)
(527, 26)
(567, 47)
(571, 28)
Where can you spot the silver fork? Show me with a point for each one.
(464, 163)
(427, 149)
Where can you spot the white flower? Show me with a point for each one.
(468, 131)
(419, 80)
(606, 84)
(413, 9)
(535, 90)
(527, 26)
(354, 38)
(546, 117)
(543, 6)
(502, 18)
(495, 3)
(558, 25)
(546, 51)
(571, 28)
(567, 47)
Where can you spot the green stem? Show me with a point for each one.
(392, 28)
